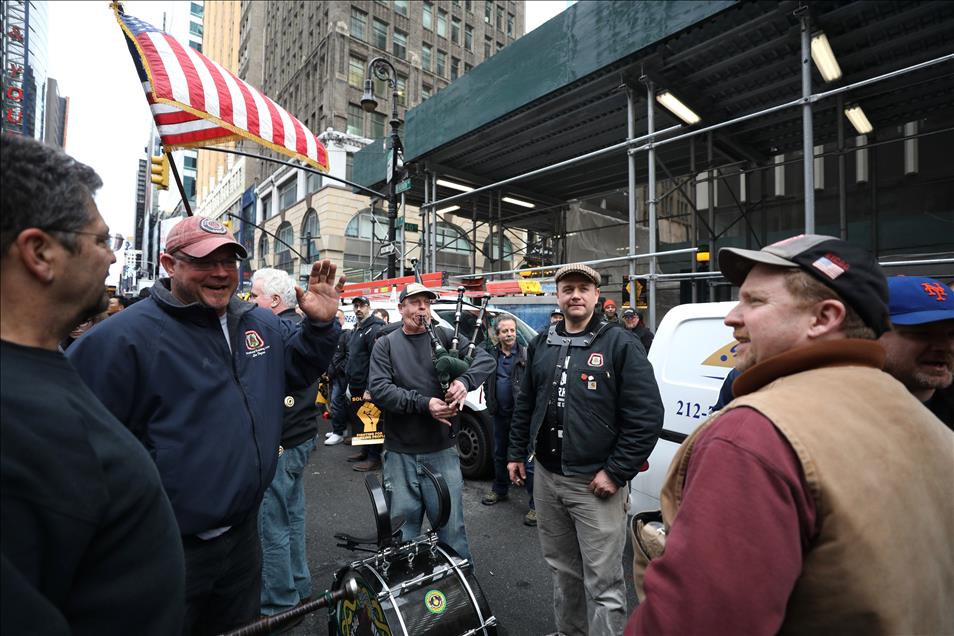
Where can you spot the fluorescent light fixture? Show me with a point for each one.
(677, 108)
(524, 204)
(448, 209)
(857, 118)
(824, 58)
(453, 186)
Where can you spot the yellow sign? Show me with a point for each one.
(530, 287)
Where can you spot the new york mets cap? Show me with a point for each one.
(413, 289)
(847, 269)
(578, 268)
(199, 236)
(917, 300)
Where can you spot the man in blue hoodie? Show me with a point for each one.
(200, 377)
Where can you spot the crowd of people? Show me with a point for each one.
(153, 452)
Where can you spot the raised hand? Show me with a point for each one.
(320, 301)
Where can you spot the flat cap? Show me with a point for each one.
(578, 268)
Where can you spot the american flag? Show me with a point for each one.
(196, 102)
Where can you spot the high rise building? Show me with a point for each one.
(23, 55)
(57, 115)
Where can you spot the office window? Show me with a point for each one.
(361, 225)
(455, 68)
(426, 92)
(469, 38)
(267, 206)
(510, 22)
(195, 29)
(288, 194)
(451, 239)
(380, 35)
(355, 120)
(426, 55)
(313, 182)
(428, 19)
(377, 125)
(400, 7)
(488, 47)
(263, 251)
(489, 12)
(283, 256)
(359, 24)
(399, 45)
(196, 45)
(442, 24)
(196, 9)
(455, 30)
(189, 162)
(349, 166)
(500, 18)
(469, 5)
(402, 90)
(310, 232)
(355, 72)
(441, 64)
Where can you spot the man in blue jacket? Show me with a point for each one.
(200, 376)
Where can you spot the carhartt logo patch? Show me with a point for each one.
(596, 360)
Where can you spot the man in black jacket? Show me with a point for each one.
(363, 337)
(589, 415)
(286, 581)
(633, 321)
(339, 405)
(501, 389)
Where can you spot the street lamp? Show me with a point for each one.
(382, 69)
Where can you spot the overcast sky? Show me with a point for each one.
(109, 120)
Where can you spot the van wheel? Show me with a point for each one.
(475, 444)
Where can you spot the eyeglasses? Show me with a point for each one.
(111, 242)
(207, 265)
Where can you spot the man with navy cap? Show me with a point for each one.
(920, 345)
(789, 509)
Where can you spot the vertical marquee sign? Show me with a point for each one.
(14, 65)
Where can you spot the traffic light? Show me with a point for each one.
(160, 171)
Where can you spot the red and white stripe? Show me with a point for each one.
(187, 78)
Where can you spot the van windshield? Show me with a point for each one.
(468, 319)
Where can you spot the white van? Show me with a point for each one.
(475, 440)
(692, 353)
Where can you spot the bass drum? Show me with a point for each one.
(435, 593)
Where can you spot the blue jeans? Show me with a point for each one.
(340, 406)
(501, 444)
(286, 580)
(411, 494)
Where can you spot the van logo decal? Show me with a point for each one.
(723, 356)
(596, 360)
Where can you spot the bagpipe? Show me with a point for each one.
(420, 587)
(450, 364)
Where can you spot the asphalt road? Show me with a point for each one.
(514, 578)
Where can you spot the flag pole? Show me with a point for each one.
(175, 173)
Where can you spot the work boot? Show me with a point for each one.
(531, 518)
(492, 498)
(371, 464)
(357, 457)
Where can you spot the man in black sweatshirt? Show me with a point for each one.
(363, 337)
(404, 383)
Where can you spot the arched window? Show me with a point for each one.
(360, 226)
(451, 238)
(263, 250)
(283, 255)
(492, 245)
(310, 232)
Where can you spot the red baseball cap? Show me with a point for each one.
(198, 236)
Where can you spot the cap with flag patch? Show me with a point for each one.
(917, 300)
(848, 270)
(199, 236)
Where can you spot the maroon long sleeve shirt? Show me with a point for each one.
(735, 550)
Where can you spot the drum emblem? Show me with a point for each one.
(435, 602)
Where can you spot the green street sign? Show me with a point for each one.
(410, 227)
(402, 186)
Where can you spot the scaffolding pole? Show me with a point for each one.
(808, 133)
(651, 211)
(631, 188)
